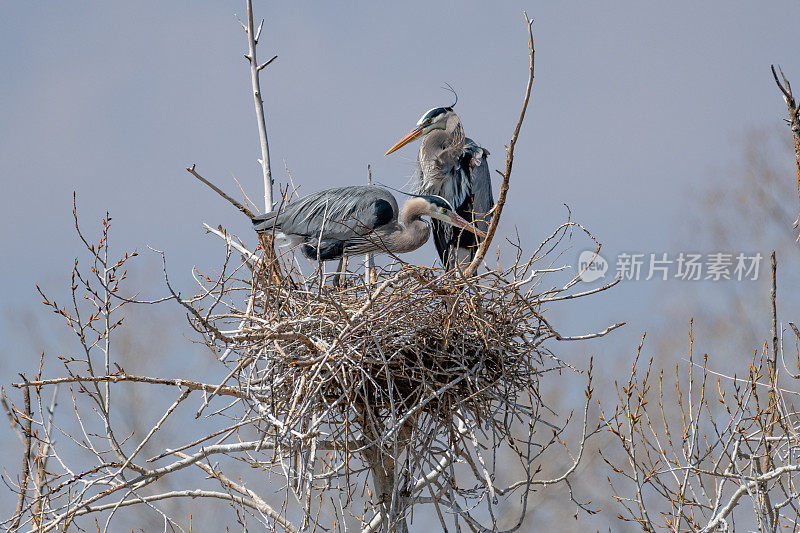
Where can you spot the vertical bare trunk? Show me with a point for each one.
(266, 240)
(255, 68)
(794, 122)
(501, 198)
(369, 259)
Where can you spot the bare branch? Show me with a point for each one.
(237, 205)
(252, 39)
(794, 122)
(27, 417)
(264, 65)
(501, 198)
(119, 378)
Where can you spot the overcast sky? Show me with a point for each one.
(634, 106)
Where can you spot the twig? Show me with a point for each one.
(742, 490)
(237, 205)
(501, 197)
(255, 68)
(44, 454)
(13, 421)
(369, 259)
(773, 294)
(117, 378)
(184, 494)
(794, 123)
(229, 483)
(23, 487)
(243, 363)
(264, 65)
(233, 244)
(588, 336)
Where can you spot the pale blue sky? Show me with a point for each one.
(635, 105)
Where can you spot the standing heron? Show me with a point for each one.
(454, 167)
(344, 221)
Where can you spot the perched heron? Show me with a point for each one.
(344, 221)
(454, 167)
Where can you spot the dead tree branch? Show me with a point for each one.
(255, 69)
(417, 387)
(27, 418)
(249, 214)
(793, 110)
(120, 378)
(501, 197)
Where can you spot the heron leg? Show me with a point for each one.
(458, 256)
(464, 256)
(340, 279)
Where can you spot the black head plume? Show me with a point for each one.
(437, 201)
(432, 198)
(450, 88)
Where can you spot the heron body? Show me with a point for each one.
(456, 168)
(361, 219)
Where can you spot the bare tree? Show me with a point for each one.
(361, 404)
(794, 123)
(728, 455)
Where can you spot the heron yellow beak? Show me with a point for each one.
(410, 136)
(456, 220)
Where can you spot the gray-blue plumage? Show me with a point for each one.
(353, 220)
(340, 214)
(480, 181)
(456, 168)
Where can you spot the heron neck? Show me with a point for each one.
(415, 233)
(415, 230)
(438, 141)
(453, 127)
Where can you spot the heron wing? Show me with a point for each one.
(475, 162)
(364, 244)
(341, 213)
(475, 205)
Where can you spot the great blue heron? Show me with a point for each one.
(361, 219)
(454, 167)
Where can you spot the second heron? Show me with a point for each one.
(454, 167)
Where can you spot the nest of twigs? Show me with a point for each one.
(412, 352)
(417, 340)
(406, 374)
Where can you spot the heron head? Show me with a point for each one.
(433, 119)
(441, 209)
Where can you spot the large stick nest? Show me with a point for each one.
(418, 345)
(394, 345)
